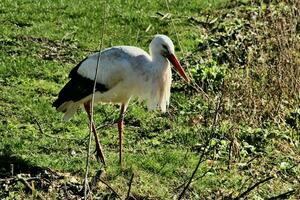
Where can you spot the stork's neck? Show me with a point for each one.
(159, 61)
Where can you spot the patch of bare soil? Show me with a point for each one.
(19, 176)
(52, 50)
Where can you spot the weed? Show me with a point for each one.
(243, 104)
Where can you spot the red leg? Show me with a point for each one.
(99, 151)
(120, 129)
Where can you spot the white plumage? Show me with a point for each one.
(124, 72)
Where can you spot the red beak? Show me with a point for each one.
(172, 58)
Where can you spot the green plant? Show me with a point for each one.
(209, 75)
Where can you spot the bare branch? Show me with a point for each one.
(285, 195)
(129, 188)
(14, 179)
(102, 181)
(214, 123)
(24, 181)
(193, 174)
(241, 196)
(86, 185)
(96, 178)
(195, 179)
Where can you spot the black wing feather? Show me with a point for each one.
(73, 72)
(77, 88)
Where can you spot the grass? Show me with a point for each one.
(254, 136)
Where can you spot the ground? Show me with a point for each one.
(238, 120)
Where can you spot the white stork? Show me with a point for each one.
(124, 72)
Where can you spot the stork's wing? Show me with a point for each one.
(115, 65)
(73, 72)
(76, 89)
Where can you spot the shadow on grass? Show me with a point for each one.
(11, 164)
(22, 177)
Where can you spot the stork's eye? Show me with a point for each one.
(165, 47)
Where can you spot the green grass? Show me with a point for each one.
(40, 42)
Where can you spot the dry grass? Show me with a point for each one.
(263, 82)
(259, 44)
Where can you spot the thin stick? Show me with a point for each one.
(25, 182)
(285, 195)
(193, 174)
(253, 187)
(129, 188)
(195, 179)
(92, 110)
(96, 178)
(102, 181)
(31, 188)
(229, 155)
(14, 179)
(215, 120)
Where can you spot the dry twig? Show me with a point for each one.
(285, 195)
(102, 181)
(25, 182)
(242, 195)
(86, 185)
(129, 188)
(215, 120)
(193, 174)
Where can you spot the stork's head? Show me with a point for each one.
(162, 45)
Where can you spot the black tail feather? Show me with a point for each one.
(76, 89)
